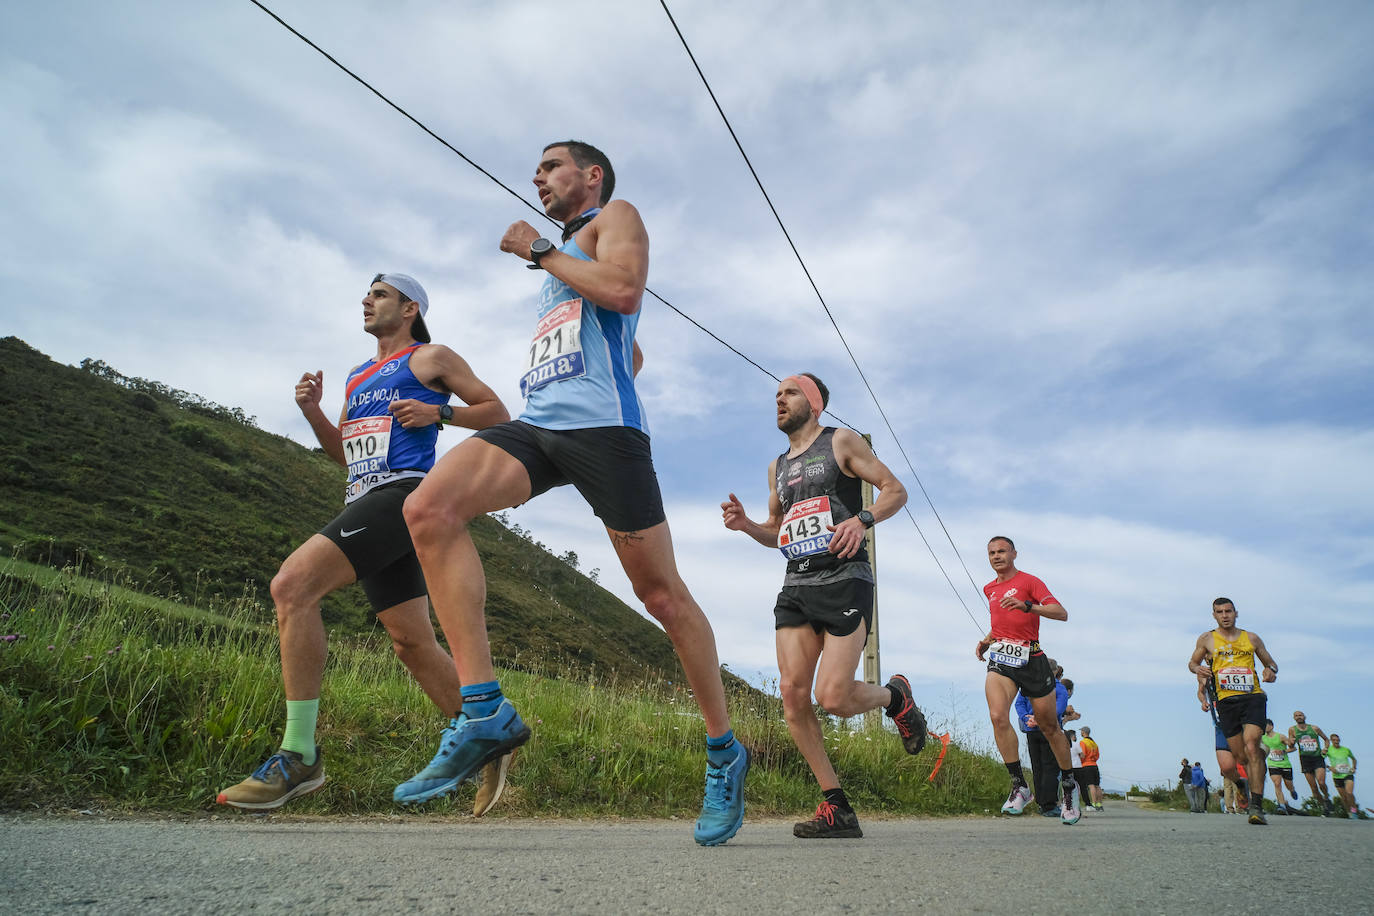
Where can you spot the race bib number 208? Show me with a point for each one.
(1012, 653)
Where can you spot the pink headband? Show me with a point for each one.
(813, 394)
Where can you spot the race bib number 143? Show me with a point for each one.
(805, 529)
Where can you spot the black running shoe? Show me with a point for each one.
(830, 823)
(910, 722)
(1257, 816)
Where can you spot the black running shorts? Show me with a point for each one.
(1035, 679)
(611, 466)
(1091, 776)
(1311, 764)
(1340, 781)
(372, 533)
(1234, 713)
(1285, 772)
(836, 607)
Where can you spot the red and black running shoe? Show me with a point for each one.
(911, 723)
(830, 823)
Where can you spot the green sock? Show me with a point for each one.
(300, 728)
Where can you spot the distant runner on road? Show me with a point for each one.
(825, 609)
(1226, 761)
(1343, 765)
(1044, 768)
(1310, 741)
(1016, 601)
(1092, 778)
(395, 404)
(1230, 656)
(1277, 746)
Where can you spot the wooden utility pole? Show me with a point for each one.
(872, 662)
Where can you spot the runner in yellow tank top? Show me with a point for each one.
(1225, 658)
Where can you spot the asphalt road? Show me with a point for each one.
(1124, 860)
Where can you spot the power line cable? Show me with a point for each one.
(499, 183)
(821, 298)
(535, 209)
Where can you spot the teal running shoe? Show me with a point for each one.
(722, 810)
(467, 746)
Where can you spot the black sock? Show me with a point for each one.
(1017, 777)
(894, 705)
(837, 798)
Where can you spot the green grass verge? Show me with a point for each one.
(109, 697)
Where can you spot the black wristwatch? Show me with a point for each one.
(867, 518)
(539, 248)
(1029, 605)
(445, 414)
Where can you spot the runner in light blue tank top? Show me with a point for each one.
(579, 368)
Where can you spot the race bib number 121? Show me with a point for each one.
(556, 350)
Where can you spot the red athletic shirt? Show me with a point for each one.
(1013, 623)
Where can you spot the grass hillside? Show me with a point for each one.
(182, 498)
(112, 699)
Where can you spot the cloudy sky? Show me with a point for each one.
(1107, 268)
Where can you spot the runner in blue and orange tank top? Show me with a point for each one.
(1224, 660)
(824, 612)
(385, 437)
(1016, 602)
(584, 425)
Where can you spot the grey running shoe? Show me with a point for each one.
(830, 823)
(282, 777)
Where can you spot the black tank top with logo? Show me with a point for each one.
(805, 477)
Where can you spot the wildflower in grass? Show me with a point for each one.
(50, 648)
(13, 637)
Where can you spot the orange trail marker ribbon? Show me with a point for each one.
(944, 746)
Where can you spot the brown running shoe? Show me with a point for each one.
(282, 777)
(492, 783)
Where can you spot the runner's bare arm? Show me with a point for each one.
(1271, 668)
(637, 360)
(309, 391)
(439, 368)
(1200, 652)
(982, 647)
(856, 459)
(732, 513)
(615, 280)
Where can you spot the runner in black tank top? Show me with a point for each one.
(825, 609)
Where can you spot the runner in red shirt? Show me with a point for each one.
(1016, 601)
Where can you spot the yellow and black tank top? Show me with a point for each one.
(1233, 666)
